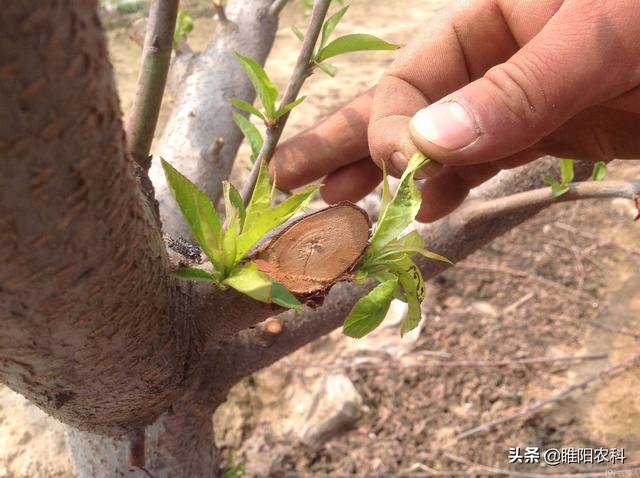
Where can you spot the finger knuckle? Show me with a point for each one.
(520, 87)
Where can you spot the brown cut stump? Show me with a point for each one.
(317, 250)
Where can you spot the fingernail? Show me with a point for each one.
(448, 125)
(398, 162)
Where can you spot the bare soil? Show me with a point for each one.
(564, 284)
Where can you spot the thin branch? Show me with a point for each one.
(156, 58)
(277, 6)
(629, 468)
(299, 75)
(219, 11)
(606, 372)
(430, 361)
(496, 208)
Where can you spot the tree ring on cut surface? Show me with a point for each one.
(317, 250)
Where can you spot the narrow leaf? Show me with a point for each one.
(248, 107)
(351, 43)
(420, 250)
(566, 171)
(557, 189)
(260, 198)
(370, 310)
(296, 31)
(250, 281)
(599, 171)
(328, 68)
(271, 218)
(259, 286)
(199, 212)
(280, 295)
(413, 287)
(264, 87)
(413, 239)
(330, 25)
(191, 273)
(386, 192)
(251, 133)
(289, 106)
(234, 220)
(402, 209)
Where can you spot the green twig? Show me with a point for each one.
(299, 75)
(156, 57)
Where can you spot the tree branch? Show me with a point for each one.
(482, 211)
(299, 75)
(156, 57)
(454, 237)
(277, 6)
(202, 110)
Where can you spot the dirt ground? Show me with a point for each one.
(565, 284)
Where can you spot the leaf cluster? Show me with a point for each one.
(226, 244)
(388, 259)
(345, 44)
(560, 187)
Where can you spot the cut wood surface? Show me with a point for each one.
(315, 252)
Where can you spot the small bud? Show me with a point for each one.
(273, 326)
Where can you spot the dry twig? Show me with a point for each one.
(606, 372)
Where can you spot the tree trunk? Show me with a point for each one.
(88, 332)
(178, 445)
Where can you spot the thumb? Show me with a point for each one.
(567, 67)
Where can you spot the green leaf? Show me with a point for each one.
(402, 209)
(264, 87)
(271, 218)
(330, 25)
(557, 189)
(351, 43)
(199, 212)
(288, 107)
(328, 68)
(235, 216)
(280, 295)
(259, 286)
(419, 250)
(413, 287)
(191, 273)
(184, 26)
(296, 31)
(248, 107)
(251, 133)
(599, 171)
(370, 310)
(386, 192)
(413, 239)
(566, 171)
(260, 197)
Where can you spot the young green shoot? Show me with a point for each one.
(388, 259)
(226, 244)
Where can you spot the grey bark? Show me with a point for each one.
(202, 110)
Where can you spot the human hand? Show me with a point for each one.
(512, 80)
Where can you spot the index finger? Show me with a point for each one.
(339, 140)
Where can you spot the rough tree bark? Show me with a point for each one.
(94, 328)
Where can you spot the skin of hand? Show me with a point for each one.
(490, 85)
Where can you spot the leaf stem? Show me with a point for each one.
(298, 76)
(156, 58)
